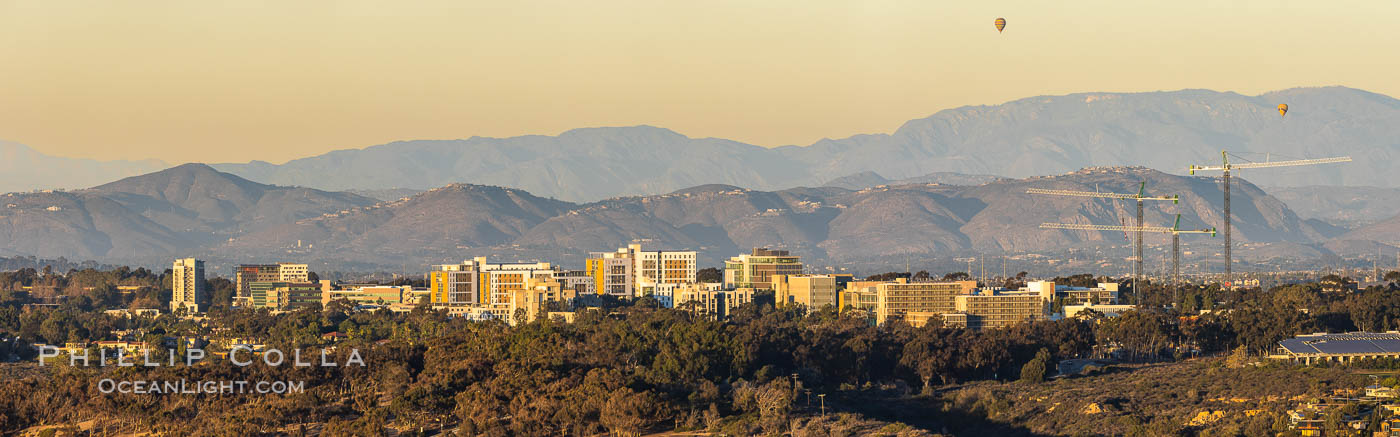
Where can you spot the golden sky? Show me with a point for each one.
(275, 80)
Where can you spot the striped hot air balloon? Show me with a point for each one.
(1282, 109)
(1001, 24)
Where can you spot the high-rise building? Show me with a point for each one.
(811, 291)
(755, 270)
(633, 272)
(477, 282)
(611, 272)
(246, 274)
(187, 286)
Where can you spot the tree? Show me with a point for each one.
(1034, 371)
(709, 274)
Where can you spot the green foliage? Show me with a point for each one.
(1035, 369)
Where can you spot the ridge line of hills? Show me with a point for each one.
(194, 209)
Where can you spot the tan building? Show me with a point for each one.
(990, 309)
(366, 294)
(811, 291)
(187, 286)
(539, 296)
(916, 302)
(756, 269)
(715, 303)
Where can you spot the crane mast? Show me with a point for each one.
(1225, 168)
(1175, 230)
(1140, 196)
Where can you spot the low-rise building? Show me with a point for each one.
(284, 296)
(1073, 311)
(917, 302)
(993, 309)
(705, 298)
(358, 294)
(1339, 348)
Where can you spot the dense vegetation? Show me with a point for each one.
(631, 369)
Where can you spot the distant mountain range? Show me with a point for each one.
(25, 169)
(1027, 137)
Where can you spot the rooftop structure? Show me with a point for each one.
(1339, 348)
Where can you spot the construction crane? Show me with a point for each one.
(1175, 230)
(1225, 168)
(1139, 197)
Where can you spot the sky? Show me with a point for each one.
(184, 81)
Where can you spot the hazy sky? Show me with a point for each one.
(276, 80)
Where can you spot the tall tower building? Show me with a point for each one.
(187, 287)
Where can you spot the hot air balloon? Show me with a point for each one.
(1001, 24)
(1282, 109)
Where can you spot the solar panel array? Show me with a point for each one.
(1365, 343)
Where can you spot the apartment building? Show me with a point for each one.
(611, 273)
(187, 287)
(645, 270)
(810, 291)
(756, 269)
(477, 282)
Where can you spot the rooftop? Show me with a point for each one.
(1347, 343)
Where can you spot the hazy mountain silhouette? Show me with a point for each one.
(1027, 137)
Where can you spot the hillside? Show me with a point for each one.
(827, 223)
(1027, 137)
(157, 214)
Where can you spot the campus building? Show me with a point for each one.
(993, 309)
(246, 274)
(756, 269)
(611, 273)
(284, 296)
(539, 297)
(187, 287)
(477, 282)
(811, 291)
(1339, 348)
(633, 272)
(916, 302)
(710, 299)
(366, 294)
(1103, 294)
